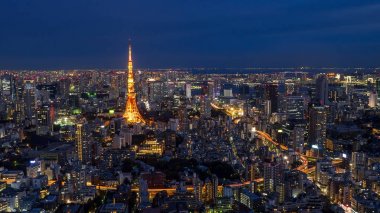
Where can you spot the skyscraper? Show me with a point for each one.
(295, 107)
(317, 126)
(82, 142)
(188, 90)
(7, 87)
(322, 89)
(43, 120)
(131, 114)
(298, 137)
(267, 108)
(30, 102)
(271, 93)
(197, 187)
(214, 187)
(378, 88)
(272, 175)
(372, 99)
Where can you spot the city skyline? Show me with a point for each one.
(83, 130)
(170, 141)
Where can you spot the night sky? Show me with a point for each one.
(50, 34)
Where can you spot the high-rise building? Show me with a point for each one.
(205, 106)
(280, 189)
(7, 87)
(252, 172)
(214, 187)
(132, 114)
(372, 99)
(359, 164)
(43, 120)
(271, 93)
(323, 171)
(378, 88)
(298, 137)
(188, 90)
(317, 126)
(208, 190)
(358, 159)
(83, 142)
(211, 89)
(267, 108)
(295, 107)
(197, 187)
(322, 89)
(143, 195)
(155, 93)
(64, 87)
(30, 102)
(272, 175)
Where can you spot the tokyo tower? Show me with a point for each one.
(131, 114)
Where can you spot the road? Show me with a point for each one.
(305, 159)
(303, 167)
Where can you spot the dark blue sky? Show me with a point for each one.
(48, 34)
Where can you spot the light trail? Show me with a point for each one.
(304, 166)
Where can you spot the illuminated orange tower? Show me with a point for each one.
(131, 114)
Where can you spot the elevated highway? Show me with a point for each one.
(260, 134)
(267, 138)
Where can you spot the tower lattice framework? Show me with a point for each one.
(132, 114)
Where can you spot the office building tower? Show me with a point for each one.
(317, 126)
(30, 103)
(252, 172)
(208, 191)
(323, 170)
(214, 192)
(271, 93)
(298, 137)
(156, 92)
(188, 90)
(7, 87)
(272, 175)
(322, 89)
(359, 164)
(197, 187)
(83, 142)
(211, 89)
(205, 106)
(143, 195)
(43, 120)
(372, 99)
(295, 107)
(378, 88)
(267, 108)
(280, 189)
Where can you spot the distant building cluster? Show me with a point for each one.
(174, 141)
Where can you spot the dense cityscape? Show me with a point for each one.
(295, 140)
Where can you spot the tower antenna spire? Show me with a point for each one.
(130, 50)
